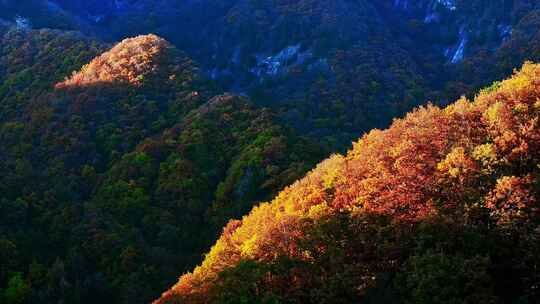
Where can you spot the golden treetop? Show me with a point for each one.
(127, 62)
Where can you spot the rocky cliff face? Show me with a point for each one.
(464, 26)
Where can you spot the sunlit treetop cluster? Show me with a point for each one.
(130, 61)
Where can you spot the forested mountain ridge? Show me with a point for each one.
(120, 175)
(442, 207)
(310, 60)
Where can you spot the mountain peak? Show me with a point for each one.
(127, 62)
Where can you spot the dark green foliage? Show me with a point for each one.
(441, 278)
(17, 290)
(111, 190)
(245, 284)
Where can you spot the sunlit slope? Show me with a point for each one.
(470, 166)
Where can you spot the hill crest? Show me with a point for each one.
(128, 62)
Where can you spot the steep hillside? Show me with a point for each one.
(38, 14)
(118, 177)
(519, 46)
(442, 207)
(32, 60)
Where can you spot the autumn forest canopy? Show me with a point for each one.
(240, 151)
